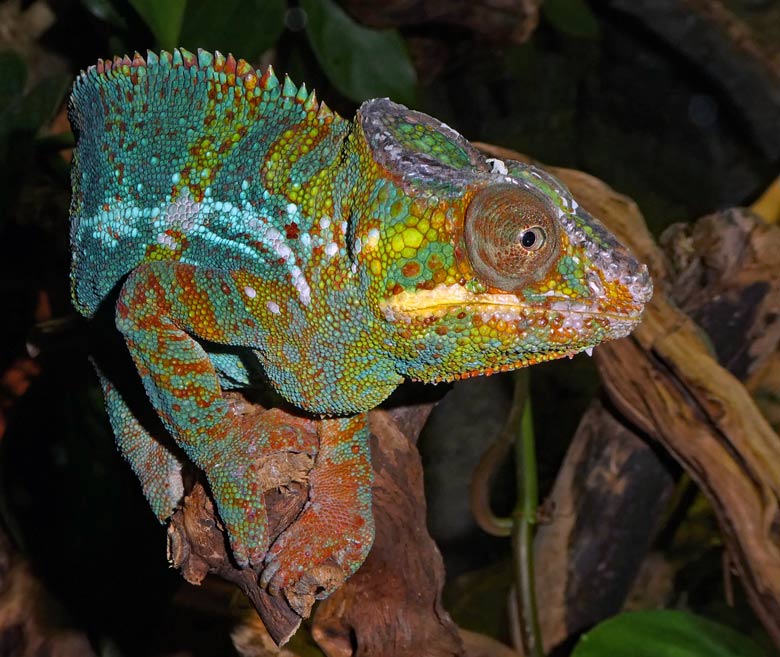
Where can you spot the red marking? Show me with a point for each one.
(397, 289)
(121, 309)
(292, 231)
(411, 269)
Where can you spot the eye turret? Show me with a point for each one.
(511, 236)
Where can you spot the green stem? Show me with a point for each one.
(524, 526)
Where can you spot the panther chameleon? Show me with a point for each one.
(241, 233)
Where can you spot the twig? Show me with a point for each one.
(524, 525)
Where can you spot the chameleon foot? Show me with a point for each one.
(261, 458)
(334, 533)
(317, 553)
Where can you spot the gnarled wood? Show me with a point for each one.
(666, 381)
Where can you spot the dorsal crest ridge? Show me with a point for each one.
(227, 69)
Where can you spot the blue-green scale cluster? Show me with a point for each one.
(164, 171)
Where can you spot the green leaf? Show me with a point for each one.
(164, 19)
(362, 63)
(572, 17)
(664, 633)
(247, 28)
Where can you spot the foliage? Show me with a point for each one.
(361, 62)
(664, 633)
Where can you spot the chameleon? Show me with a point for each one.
(239, 233)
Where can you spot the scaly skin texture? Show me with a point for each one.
(240, 231)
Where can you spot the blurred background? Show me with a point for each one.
(673, 103)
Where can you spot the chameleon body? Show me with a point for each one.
(241, 232)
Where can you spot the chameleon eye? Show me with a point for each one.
(511, 236)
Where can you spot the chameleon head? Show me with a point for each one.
(481, 265)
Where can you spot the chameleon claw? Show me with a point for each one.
(272, 566)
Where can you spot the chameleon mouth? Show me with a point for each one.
(436, 303)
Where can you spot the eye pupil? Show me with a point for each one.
(533, 238)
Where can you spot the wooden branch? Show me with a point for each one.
(589, 554)
(666, 381)
(507, 20)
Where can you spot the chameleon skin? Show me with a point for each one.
(236, 225)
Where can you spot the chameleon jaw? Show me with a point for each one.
(507, 333)
(438, 302)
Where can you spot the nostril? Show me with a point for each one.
(641, 286)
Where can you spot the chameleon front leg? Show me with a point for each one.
(336, 526)
(157, 467)
(160, 307)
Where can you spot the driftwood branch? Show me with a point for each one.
(589, 554)
(666, 383)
